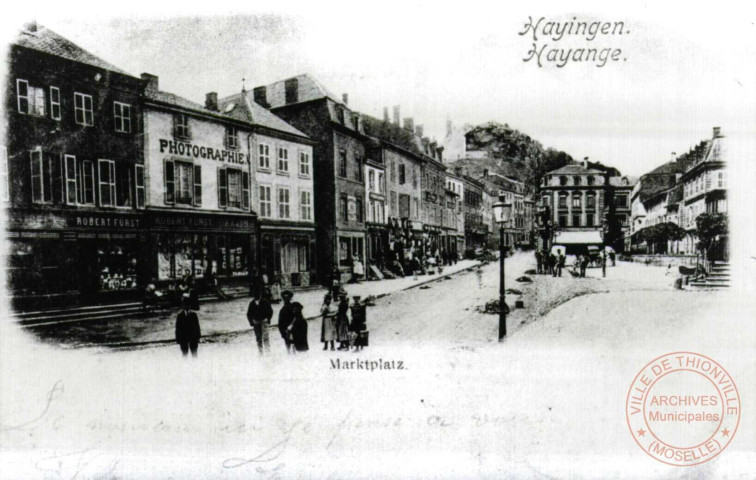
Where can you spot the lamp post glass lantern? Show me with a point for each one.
(502, 212)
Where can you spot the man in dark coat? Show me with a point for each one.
(187, 329)
(584, 261)
(560, 263)
(259, 314)
(286, 318)
(298, 329)
(539, 261)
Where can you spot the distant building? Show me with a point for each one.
(456, 185)
(477, 229)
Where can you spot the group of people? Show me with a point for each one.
(549, 263)
(336, 327)
(292, 325)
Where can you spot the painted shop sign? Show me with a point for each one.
(201, 222)
(187, 149)
(73, 220)
(103, 222)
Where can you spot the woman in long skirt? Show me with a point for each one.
(342, 323)
(298, 329)
(328, 323)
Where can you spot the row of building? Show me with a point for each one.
(676, 194)
(110, 182)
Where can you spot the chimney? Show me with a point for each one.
(260, 95)
(385, 115)
(409, 124)
(717, 132)
(31, 26)
(585, 162)
(440, 151)
(150, 82)
(485, 173)
(345, 98)
(419, 130)
(211, 101)
(674, 157)
(396, 115)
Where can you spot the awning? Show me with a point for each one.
(579, 238)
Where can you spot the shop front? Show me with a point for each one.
(288, 255)
(188, 244)
(351, 247)
(378, 245)
(62, 258)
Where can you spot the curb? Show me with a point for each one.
(123, 345)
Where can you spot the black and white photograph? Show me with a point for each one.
(399, 240)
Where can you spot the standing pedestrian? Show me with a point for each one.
(613, 256)
(187, 329)
(193, 294)
(553, 264)
(328, 323)
(342, 322)
(285, 319)
(539, 261)
(259, 314)
(358, 270)
(603, 263)
(584, 264)
(560, 262)
(298, 329)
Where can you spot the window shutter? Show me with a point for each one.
(170, 182)
(245, 190)
(222, 188)
(22, 88)
(197, 185)
(52, 189)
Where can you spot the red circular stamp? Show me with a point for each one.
(683, 408)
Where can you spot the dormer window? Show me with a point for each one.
(356, 120)
(576, 180)
(340, 115)
(562, 181)
(232, 138)
(181, 126)
(591, 180)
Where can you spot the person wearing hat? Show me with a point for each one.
(187, 328)
(286, 318)
(328, 323)
(298, 329)
(259, 314)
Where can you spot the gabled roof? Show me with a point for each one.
(308, 89)
(42, 39)
(241, 107)
(575, 169)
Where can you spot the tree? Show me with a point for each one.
(710, 226)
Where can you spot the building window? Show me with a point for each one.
(576, 220)
(356, 120)
(184, 180)
(86, 183)
(576, 200)
(371, 181)
(71, 181)
(140, 193)
(233, 188)
(591, 180)
(55, 113)
(106, 174)
(291, 89)
(591, 201)
(402, 174)
(266, 205)
(31, 100)
(576, 180)
(380, 182)
(562, 181)
(360, 212)
(122, 115)
(232, 138)
(283, 202)
(181, 126)
(41, 177)
(263, 157)
(4, 181)
(344, 209)
(84, 115)
(620, 201)
(358, 174)
(305, 204)
(123, 179)
(415, 208)
(342, 163)
(562, 200)
(721, 180)
(394, 208)
(304, 163)
(589, 220)
(283, 159)
(562, 221)
(393, 171)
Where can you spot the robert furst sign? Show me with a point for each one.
(189, 150)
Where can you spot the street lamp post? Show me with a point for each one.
(502, 211)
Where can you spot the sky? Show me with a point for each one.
(680, 74)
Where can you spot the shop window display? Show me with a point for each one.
(117, 265)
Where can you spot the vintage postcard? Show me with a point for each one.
(402, 240)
